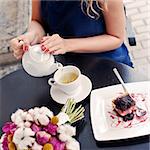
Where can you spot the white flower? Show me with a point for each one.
(67, 129)
(66, 132)
(1, 141)
(18, 114)
(21, 118)
(41, 115)
(36, 146)
(23, 138)
(43, 119)
(46, 111)
(63, 118)
(28, 117)
(72, 144)
(64, 137)
(27, 124)
(31, 112)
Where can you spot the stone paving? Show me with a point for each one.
(139, 13)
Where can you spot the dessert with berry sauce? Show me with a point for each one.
(125, 107)
(129, 110)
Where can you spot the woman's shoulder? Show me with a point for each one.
(109, 3)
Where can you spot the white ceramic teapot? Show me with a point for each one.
(36, 63)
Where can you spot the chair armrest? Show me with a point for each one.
(130, 33)
(130, 30)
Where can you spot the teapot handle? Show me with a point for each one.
(52, 82)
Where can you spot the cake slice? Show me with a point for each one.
(124, 106)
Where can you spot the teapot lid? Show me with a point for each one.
(37, 54)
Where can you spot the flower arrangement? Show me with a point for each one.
(40, 129)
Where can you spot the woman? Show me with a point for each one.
(87, 26)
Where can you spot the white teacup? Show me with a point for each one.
(67, 79)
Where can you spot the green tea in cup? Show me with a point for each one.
(68, 77)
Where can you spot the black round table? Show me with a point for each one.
(20, 90)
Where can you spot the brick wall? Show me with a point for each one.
(139, 14)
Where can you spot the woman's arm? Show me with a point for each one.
(115, 31)
(32, 36)
(35, 26)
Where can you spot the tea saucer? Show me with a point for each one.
(85, 89)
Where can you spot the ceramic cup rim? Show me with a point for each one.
(70, 83)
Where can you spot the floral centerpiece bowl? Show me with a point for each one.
(39, 129)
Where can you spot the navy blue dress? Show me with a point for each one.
(68, 20)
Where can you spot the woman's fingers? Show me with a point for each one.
(53, 49)
(19, 45)
(25, 43)
(49, 39)
(15, 44)
(19, 42)
(17, 51)
(18, 54)
(51, 42)
(54, 43)
(58, 49)
(44, 39)
(57, 52)
(25, 48)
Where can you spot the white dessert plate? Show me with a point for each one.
(82, 93)
(106, 124)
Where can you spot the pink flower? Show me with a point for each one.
(5, 143)
(9, 128)
(42, 137)
(51, 128)
(54, 141)
(35, 128)
(58, 145)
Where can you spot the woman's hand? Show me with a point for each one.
(54, 44)
(21, 44)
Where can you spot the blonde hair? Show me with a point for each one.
(90, 10)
